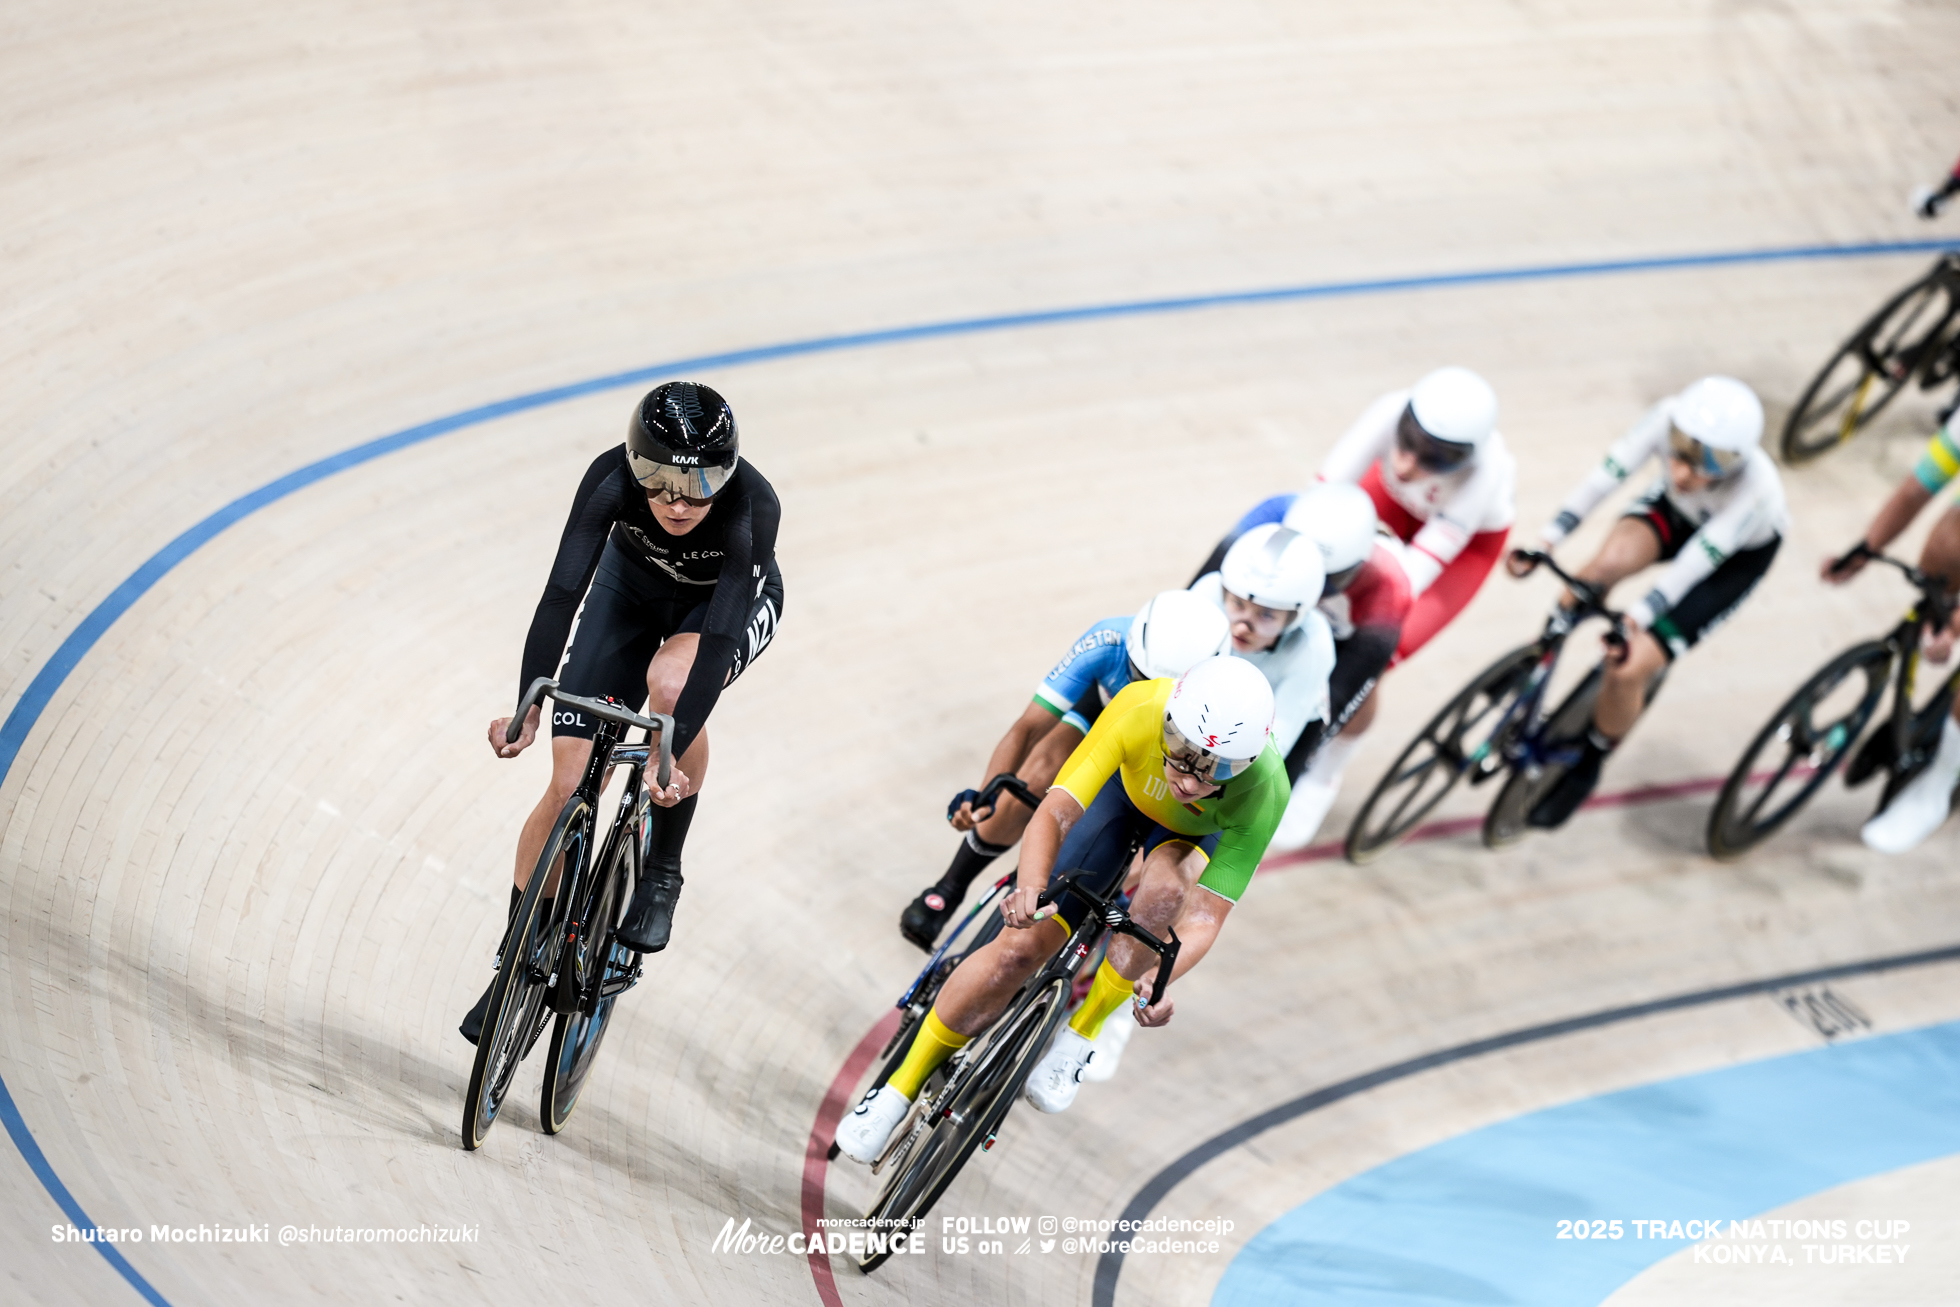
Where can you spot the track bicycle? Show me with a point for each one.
(559, 956)
(1495, 724)
(1817, 727)
(1914, 337)
(963, 1103)
(918, 997)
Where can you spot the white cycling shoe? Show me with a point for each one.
(862, 1135)
(1108, 1054)
(1919, 809)
(1056, 1078)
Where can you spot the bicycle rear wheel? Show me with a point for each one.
(594, 959)
(1438, 757)
(975, 1103)
(515, 1013)
(1798, 749)
(1870, 368)
(1506, 823)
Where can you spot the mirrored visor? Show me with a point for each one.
(687, 482)
(1702, 458)
(1431, 454)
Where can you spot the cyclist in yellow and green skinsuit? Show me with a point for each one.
(1200, 790)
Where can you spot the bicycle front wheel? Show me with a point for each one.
(516, 1012)
(1456, 740)
(977, 1100)
(594, 959)
(1870, 368)
(1798, 749)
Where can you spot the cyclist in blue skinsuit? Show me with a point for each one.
(1169, 634)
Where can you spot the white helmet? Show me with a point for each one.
(1218, 719)
(1456, 406)
(1275, 566)
(1721, 415)
(1174, 630)
(1340, 518)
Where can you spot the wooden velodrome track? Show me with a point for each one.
(254, 845)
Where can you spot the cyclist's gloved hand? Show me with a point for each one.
(962, 813)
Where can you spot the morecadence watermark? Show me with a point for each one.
(977, 1236)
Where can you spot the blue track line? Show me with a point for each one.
(41, 690)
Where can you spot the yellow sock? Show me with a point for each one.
(1109, 992)
(934, 1044)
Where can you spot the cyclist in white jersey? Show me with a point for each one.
(1715, 515)
(1268, 585)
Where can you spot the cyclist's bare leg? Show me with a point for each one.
(981, 987)
(1623, 693)
(666, 678)
(1941, 557)
(1630, 546)
(1169, 897)
(569, 755)
(1037, 772)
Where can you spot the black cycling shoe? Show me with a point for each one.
(650, 916)
(472, 1027)
(1569, 791)
(925, 916)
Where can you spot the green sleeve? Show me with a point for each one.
(1247, 820)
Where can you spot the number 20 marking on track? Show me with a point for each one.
(1589, 1230)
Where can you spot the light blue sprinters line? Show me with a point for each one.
(68, 655)
(1474, 1219)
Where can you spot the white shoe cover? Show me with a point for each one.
(1918, 810)
(1053, 1083)
(1313, 795)
(1116, 1032)
(862, 1135)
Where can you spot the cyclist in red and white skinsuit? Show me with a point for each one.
(1442, 481)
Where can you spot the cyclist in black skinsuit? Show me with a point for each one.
(675, 534)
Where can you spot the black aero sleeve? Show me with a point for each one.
(748, 547)
(594, 510)
(1359, 662)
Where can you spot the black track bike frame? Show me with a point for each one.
(1529, 745)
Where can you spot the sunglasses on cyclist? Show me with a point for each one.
(666, 483)
(1430, 454)
(1716, 463)
(1181, 755)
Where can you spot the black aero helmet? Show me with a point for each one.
(683, 440)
